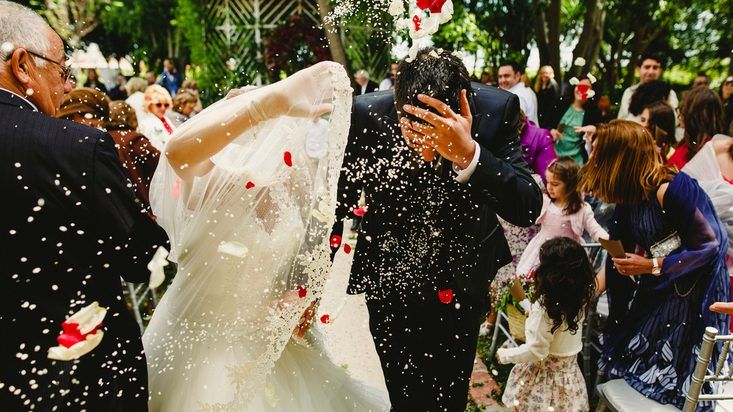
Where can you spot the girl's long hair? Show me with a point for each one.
(567, 169)
(565, 282)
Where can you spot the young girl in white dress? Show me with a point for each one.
(546, 376)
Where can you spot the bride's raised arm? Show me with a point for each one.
(192, 145)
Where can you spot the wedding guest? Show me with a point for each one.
(646, 94)
(70, 230)
(726, 95)
(192, 86)
(364, 85)
(701, 116)
(701, 80)
(564, 213)
(182, 108)
(86, 106)
(93, 81)
(388, 82)
(650, 68)
(538, 148)
(604, 105)
(487, 78)
(659, 299)
(659, 119)
(510, 76)
(138, 156)
(575, 117)
(156, 126)
(136, 96)
(171, 79)
(548, 91)
(546, 375)
(119, 92)
(150, 78)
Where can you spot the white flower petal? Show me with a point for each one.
(590, 93)
(233, 248)
(574, 81)
(592, 78)
(396, 8)
(446, 13)
(89, 317)
(77, 350)
(580, 62)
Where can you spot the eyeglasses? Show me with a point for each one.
(65, 67)
(159, 105)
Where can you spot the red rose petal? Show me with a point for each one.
(445, 296)
(302, 291)
(417, 21)
(435, 6)
(347, 248)
(69, 340)
(335, 241)
(325, 318)
(249, 185)
(288, 159)
(360, 211)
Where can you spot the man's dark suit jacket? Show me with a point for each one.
(70, 229)
(371, 87)
(423, 230)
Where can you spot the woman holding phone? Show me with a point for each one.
(673, 270)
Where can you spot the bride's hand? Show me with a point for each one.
(305, 320)
(286, 97)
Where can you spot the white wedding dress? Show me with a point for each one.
(251, 241)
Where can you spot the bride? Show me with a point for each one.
(246, 191)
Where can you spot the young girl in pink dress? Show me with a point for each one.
(564, 214)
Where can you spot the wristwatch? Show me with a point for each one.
(656, 269)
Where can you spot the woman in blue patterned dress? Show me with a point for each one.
(674, 269)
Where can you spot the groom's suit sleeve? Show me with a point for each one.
(502, 178)
(352, 172)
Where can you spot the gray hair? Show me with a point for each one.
(362, 73)
(22, 27)
(136, 84)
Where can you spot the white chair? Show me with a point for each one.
(617, 396)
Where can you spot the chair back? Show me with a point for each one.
(720, 374)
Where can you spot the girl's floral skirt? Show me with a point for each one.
(552, 384)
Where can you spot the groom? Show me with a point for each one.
(436, 161)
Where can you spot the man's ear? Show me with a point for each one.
(21, 66)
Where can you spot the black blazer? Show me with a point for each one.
(371, 87)
(423, 230)
(70, 229)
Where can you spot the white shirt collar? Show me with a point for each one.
(517, 87)
(24, 99)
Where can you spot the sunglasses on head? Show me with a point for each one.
(728, 82)
(159, 105)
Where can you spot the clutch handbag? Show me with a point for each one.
(665, 246)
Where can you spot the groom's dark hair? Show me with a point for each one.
(434, 72)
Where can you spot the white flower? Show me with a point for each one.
(592, 78)
(580, 62)
(402, 24)
(88, 318)
(590, 93)
(62, 353)
(80, 327)
(574, 81)
(233, 248)
(396, 8)
(446, 13)
(156, 265)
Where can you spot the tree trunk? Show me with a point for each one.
(335, 45)
(589, 43)
(553, 36)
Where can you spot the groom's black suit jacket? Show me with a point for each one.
(70, 228)
(423, 230)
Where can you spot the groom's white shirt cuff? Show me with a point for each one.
(464, 175)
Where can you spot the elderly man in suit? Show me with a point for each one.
(70, 229)
(436, 161)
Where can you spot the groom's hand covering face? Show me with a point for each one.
(440, 130)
